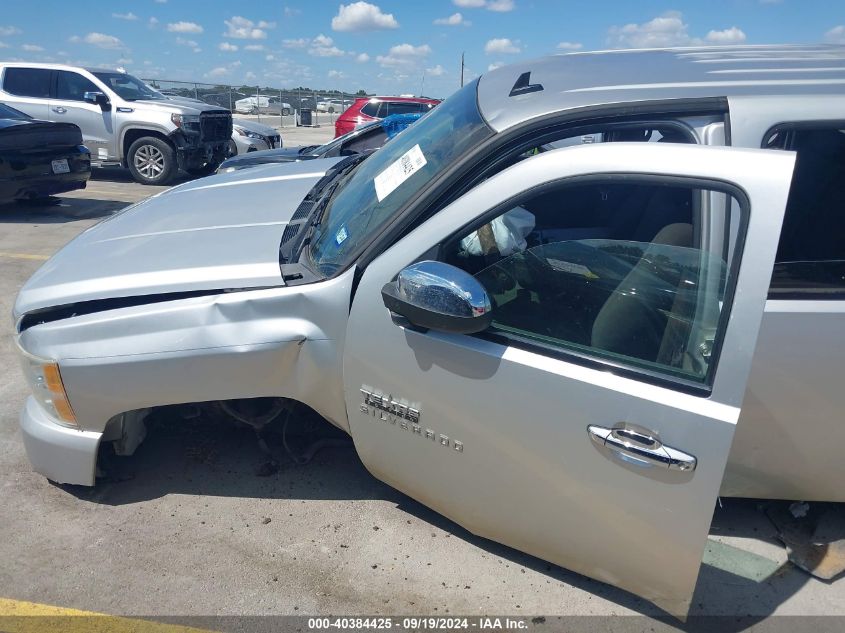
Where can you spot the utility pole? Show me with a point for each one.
(422, 84)
(462, 70)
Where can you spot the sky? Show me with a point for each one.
(383, 46)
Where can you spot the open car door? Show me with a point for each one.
(567, 376)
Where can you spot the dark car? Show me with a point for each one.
(367, 138)
(39, 158)
(368, 109)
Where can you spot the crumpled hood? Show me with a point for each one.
(219, 232)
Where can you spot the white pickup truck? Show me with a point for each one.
(557, 348)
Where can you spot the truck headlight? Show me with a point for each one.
(45, 381)
(180, 120)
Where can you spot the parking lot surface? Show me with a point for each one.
(194, 524)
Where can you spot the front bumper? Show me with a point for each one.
(62, 454)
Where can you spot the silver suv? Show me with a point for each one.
(123, 121)
(570, 350)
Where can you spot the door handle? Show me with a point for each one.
(60, 110)
(637, 444)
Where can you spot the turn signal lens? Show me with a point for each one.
(45, 381)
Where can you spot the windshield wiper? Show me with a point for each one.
(307, 148)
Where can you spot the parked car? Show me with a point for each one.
(39, 158)
(123, 121)
(252, 137)
(368, 109)
(367, 138)
(333, 105)
(263, 105)
(559, 349)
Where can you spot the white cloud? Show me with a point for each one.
(336, 74)
(291, 12)
(501, 45)
(184, 27)
(32, 48)
(160, 1)
(181, 41)
(125, 16)
(220, 71)
(404, 56)
(500, 6)
(122, 60)
(836, 35)
(4, 45)
(456, 19)
(362, 16)
(362, 58)
(732, 35)
(301, 42)
(269, 57)
(243, 29)
(667, 30)
(254, 47)
(437, 71)
(153, 22)
(251, 75)
(495, 65)
(570, 46)
(323, 46)
(226, 47)
(6, 31)
(100, 40)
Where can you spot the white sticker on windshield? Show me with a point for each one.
(388, 180)
(341, 235)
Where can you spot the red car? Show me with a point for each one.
(374, 108)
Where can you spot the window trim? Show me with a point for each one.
(595, 361)
(810, 294)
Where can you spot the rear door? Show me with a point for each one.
(28, 90)
(591, 423)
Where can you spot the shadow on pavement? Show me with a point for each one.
(191, 457)
(58, 210)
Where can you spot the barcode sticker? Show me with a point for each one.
(398, 172)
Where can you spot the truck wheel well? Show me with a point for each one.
(130, 136)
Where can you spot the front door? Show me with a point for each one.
(590, 424)
(97, 126)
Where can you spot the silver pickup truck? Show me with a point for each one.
(559, 309)
(123, 121)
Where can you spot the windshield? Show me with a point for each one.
(382, 184)
(128, 87)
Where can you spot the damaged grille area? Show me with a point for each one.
(215, 126)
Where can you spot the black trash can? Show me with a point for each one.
(305, 117)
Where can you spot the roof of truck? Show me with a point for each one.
(582, 79)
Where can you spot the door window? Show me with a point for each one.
(27, 82)
(402, 107)
(371, 109)
(73, 86)
(616, 271)
(810, 261)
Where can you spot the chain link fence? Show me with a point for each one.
(272, 106)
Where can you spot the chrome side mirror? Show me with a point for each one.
(436, 296)
(98, 98)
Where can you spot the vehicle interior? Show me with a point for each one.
(615, 267)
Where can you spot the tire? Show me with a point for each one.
(152, 161)
(285, 111)
(205, 170)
